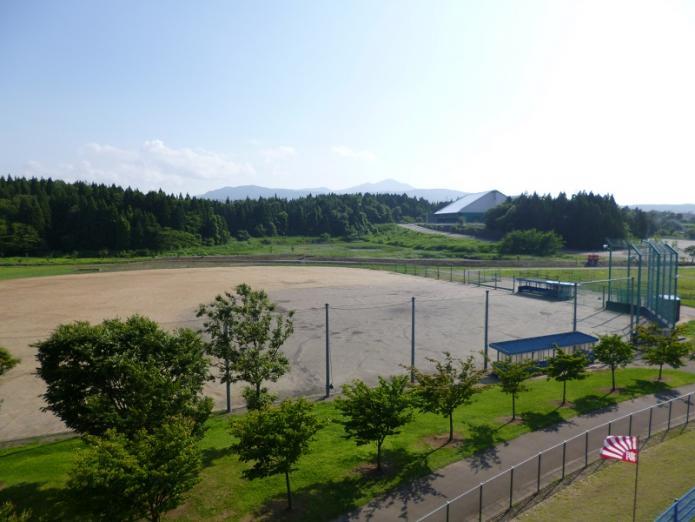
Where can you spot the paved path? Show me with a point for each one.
(424, 495)
(425, 230)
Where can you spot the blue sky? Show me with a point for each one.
(190, 96)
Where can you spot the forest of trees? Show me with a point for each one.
(584, 220)
(41, 216)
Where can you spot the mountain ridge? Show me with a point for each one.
(386, 186)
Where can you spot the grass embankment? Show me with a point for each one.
(667, 471)
(333, 479)
(387, 241)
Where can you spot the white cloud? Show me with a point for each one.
(278, 153)
(347, 152)
(151, 166)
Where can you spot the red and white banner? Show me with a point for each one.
(620, 447)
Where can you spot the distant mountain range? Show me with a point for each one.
(387, 186)
(678, 209)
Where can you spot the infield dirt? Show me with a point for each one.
(370, 322)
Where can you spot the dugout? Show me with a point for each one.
(556, 290)
(542, 348)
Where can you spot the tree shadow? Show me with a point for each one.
(43, 503)
(536, 421)
(660, 389)
(210, 455)
(407, 474)
(482, 441)
(592, 404)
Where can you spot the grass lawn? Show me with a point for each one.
(17, 272)
(333, 478)
(667, 471)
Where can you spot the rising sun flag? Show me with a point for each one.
(624, 448)
(620, 447)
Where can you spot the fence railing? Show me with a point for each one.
(682, 510)
(500, 493)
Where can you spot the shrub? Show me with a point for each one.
(531, 242)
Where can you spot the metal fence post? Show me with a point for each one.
(487, 305)
(629, 430)
(687, 410)
(670, 407)
(447, 510)
(328, 356)
(511, 487)
(586, 448)
(480, 503)
(610, 427)
(437, 272)
(412, 340)
(574, 313)
(649, 429)
(538, 483)
(564, 454)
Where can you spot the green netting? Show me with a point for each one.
(653, 266)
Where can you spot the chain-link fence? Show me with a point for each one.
(499, 495)
(362, 334)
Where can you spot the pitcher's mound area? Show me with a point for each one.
(370, 322)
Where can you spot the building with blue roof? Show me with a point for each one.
(542, 348)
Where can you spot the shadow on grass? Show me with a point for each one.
(592, 404)
(536, 421)
(43, 503)
(210, 455)
(406, 475)
(660, 389)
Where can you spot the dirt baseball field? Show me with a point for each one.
(370, 322)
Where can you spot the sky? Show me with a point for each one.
(546, 96)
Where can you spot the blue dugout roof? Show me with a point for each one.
(544, 342)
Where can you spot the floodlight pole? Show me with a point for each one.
(574, 314)
(632, 306)
(228, 385)
(328, 356)
(610, 269)
(487, 315)
(412, 340)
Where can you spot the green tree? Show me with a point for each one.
(453, 384)
(274, 439)
(7, 362)
(8, 513)
(124, 375)
(129, 478)
(691, 252)
(612, 351)
(512, 376)
(531, 242)
(372, 414)
(259, 332)
(565, 367)
(664, 347)
(219, 323)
